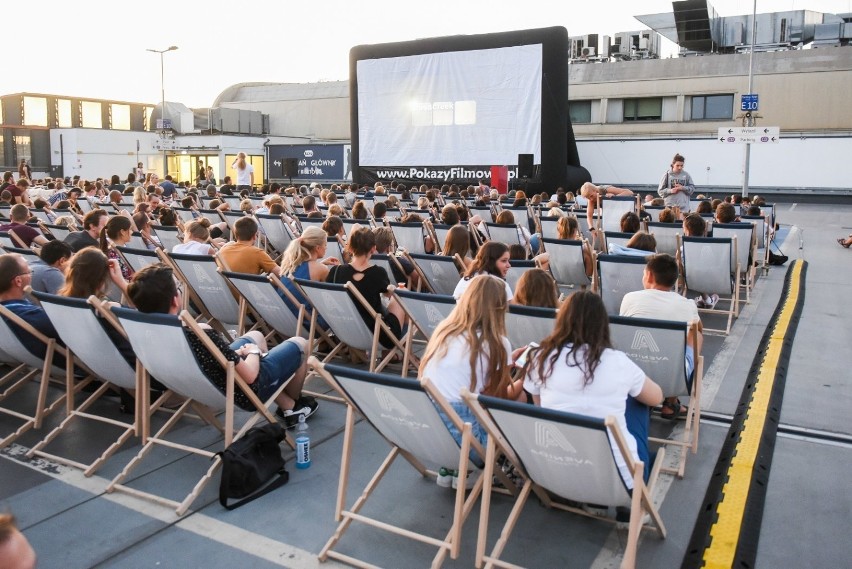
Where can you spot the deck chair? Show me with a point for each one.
(746, 251)
(40, 215)
(336, 304)
(79, 326)
(440, 231)
(548, 227)
(440, 273)
(403, 413)
(618, 275)
(136, 241)
(525, 324)
(518, 268)
(508, 234)
(125, 206)
(260, 293)
(138, 259)
(184, 213)
(761, 233)
(212, 215)
(230, 217)
(666, 236)
(168, 236)
(59, 232)
(522, 216)
(658, 347)
(710, 266)
(278, 234)
(207, 289)
(152, 336)
(6, 240)
(387, 262)
(31, 366)
(616, 238)
(566, 263)
(613, 208)
(409, 236)
(425, 311)
(563, 455)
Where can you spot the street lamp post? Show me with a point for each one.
(163, 102)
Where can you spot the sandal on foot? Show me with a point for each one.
(842, 242)
(673, 411)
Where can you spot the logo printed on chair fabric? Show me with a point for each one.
(644, 340)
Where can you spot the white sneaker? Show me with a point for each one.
(711, 304)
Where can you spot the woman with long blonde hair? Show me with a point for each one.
(458, 243)
(303, 258)
(245, 172)
(469, 350)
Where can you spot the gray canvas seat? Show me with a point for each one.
(745, 234)
(516, 270)
(566, 263)
(525, 324)
(666, 236)
(564, 455)
(409, 236)
(613, 208)
(659, 348)
(425, 311)
(207, 288)
(440, 273)
(276, 231)
(168, 236)
(710, 266)
(618, 275)
(138, 259)
(508, 234)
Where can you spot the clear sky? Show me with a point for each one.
(96, 48)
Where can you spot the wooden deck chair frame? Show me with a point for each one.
(59, 232)
(723, 279)
(567, 264)
(146, 333)
(761, 232)
(376, 397)
(658, 347)
(223, 313)
(76, 321)
(354, 325)
(626, 272)
(31, 367)
(425, 266)
(425, 311)
(541, 428)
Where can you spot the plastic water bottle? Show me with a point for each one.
(303, 444)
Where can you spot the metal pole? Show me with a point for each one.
(749, 116)
(163, 112)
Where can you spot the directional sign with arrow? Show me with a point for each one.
(749, 134)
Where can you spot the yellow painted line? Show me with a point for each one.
(725, 531)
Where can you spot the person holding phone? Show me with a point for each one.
(676, 185)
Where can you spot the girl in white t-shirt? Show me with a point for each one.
(576, 370)
(491, 259)
(469, 349)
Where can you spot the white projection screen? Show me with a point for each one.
(446, 110)
(462, 108)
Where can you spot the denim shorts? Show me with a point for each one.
(276, 366)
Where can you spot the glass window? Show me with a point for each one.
(712, 107)
(35, 111)
(120, 116)
(649, 109)
(148, 112)
(63, 113)
(23, 148)
(580, 112)
(91, 117)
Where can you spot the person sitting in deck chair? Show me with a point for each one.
(659, 301)
(695, 226)
(153, 290)
(243, 256)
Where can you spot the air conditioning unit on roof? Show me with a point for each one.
(588, 52)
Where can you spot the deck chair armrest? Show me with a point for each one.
(104, 312)
(27, 327)
(621, 442)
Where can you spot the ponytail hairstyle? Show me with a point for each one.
(302, 249)
(112, 229)
(567, 227)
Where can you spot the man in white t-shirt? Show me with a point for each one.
(658, 301)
